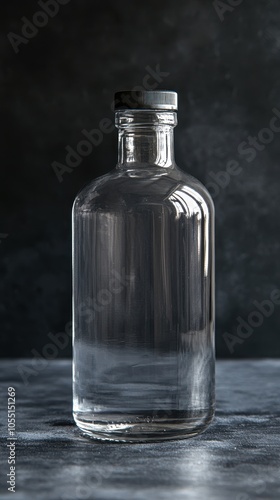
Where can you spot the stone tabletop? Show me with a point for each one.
(237, 458)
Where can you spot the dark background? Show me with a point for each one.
(227, 74)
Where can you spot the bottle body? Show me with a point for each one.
(143, 302)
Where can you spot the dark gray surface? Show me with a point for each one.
(237, 458)
(227, 75)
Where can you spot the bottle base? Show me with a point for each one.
(145, 427)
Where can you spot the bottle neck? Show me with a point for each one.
(146, 138)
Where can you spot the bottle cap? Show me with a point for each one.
(150, 99)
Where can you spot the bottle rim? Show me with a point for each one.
(161, 100)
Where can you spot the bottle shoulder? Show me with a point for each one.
(123, 189)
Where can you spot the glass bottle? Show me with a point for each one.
(143, 287)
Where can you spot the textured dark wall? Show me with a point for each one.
(62, 80)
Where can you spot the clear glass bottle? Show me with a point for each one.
(143, 287)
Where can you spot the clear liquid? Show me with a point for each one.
(124, 388)
(143, 311)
